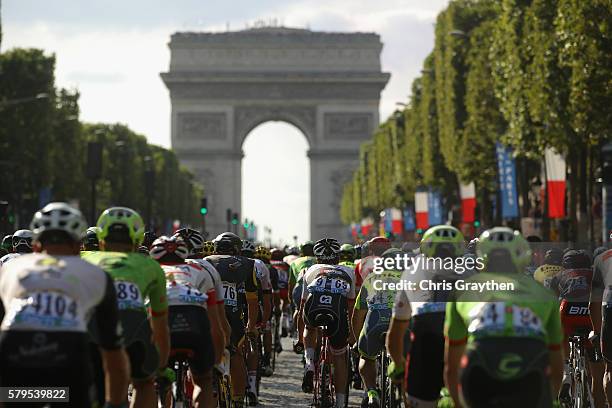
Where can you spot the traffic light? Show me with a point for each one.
(245, 224)
(204, 206)
(235, 219)
(476, 223)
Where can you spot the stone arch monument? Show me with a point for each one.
(222, 85)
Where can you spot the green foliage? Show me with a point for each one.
(44, 145)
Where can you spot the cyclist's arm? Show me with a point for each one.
(159, 316)
(555, 337)
(455, 333)
(359, 313)
(216, 331)
(114, 359)
(596, 299)
(251, 288)
(395, 340)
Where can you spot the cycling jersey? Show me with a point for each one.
(337, 279)
(283, 276)
(289, 259)
(137, 278)
(6, 258)
(189, 284)
(214, 275)
(528, 311)
(601, 291)
(363, 269)
(298, 267)
(263, 274)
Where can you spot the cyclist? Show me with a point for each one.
(373, 306)
(601, 312)
(296, 276)
(262, 254)
(90, 241)
(21, 242)
(347, 256)
(192, 299)
(195, 243)
(265, 306)
(208, 248)
(47, 299)
(372, 250)
(7, 245)
(282, 267)
(236, 272)
(422, 310)
(137, 279)
(503, 347)
(551, 266)
(293, 253)
(329, 289)
(573, 288)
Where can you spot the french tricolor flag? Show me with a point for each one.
(397, 221)
(555, 183)
(421, 209)
(366, 226)
(468, 202)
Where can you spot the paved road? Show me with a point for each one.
(283, 389)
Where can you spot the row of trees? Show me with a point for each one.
(532, 74)
(43, 152)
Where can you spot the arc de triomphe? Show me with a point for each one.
(222, 85)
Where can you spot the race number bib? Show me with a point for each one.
(128, 295)
(230, 294)
(488, 318)
(329, 285)
(45, 310)
(182, 294)
(525, 322)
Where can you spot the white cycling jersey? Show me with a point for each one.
(329, 278)
(263, 273)
(6, 258)
(212, 271)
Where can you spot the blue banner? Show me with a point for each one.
(388, 224)
(409, 221)
(44, 196)
(507, 181)
(434, 207)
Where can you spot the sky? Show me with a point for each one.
(112, 51)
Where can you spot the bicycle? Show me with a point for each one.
(580, 387)
(390, 392)
(181, 389)
(221, 382)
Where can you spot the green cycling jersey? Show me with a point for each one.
(378, 290)
(137, 278)
(528, 310)
(298, 267)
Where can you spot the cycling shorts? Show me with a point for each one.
(190, 330)
(425, 363)
(283, 293)
(328, 309)
(297, 294)
(143, 354)
(484, 384)
(47, 359)
(371, 339)
(575, 318)
(237, 325)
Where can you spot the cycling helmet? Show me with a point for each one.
(277, 254)
(263, 253)
(471, 246)
(208, 248)
(442, 238)
(90, 241)
(248, 248)
(228, 243)
(576, 259)
(192, 238)
(120, 224)
(553, 256)
(168, 246)
(143, 250)
(504, 239)
(149, 238)
(377, 245)
(347, 253)
(58, 217)
(22, 240)
(598, 251)
(358, 251)
(327, 250)
(306, 249)
(293, 251)
(7, 243)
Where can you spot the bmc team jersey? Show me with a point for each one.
(375, 293)
(298, 267)
(333, 279)
(545, 273)
(528, 311)
(189, 285)
(283, 274)
(214, 274)
(263, 274)
(57, 294)
(137, 278)
(236, 272)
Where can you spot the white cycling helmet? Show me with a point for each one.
(174, 245)
(58, 217)
(22, 237)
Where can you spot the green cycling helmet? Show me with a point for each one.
(508, 240)
(347, 252)
(121, 219)
(442, 235)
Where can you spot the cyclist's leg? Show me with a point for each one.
(310, 343)
(369, 346)
(237, 362)
(339, 343)
(606, 350)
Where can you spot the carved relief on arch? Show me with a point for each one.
(339, 177)
(248, 117)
